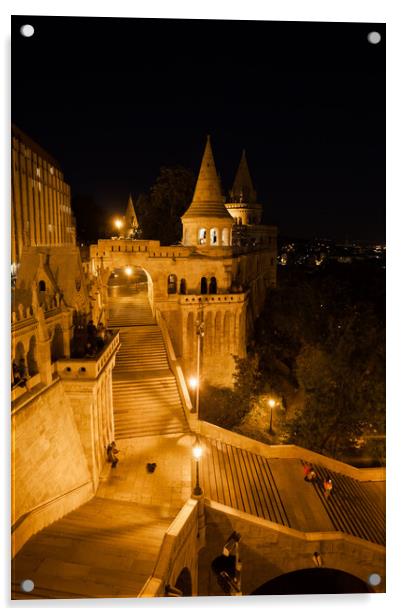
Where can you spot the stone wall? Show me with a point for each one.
(268, 550)
(48, 462)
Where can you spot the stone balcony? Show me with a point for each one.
(88, 367)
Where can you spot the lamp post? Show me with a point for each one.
(197, 454)
(200, 334)
(193, 382)
(271, 404)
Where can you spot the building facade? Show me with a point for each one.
(41, 212)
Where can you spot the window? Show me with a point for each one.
(172, 284)
(225, 237)
(202, 236)
(183, 287)
(213, 237)
(204, 286)
(213, 286)
(42, 285)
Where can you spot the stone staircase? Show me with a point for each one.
(106, 548)
(146, 399)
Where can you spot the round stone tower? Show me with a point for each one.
(207, 222)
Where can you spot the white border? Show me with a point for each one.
(286, 10)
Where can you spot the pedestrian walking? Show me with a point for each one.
(327, 487)
(111, 454)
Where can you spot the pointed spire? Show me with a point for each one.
(208, 200)
(131, 217)
(243, 189)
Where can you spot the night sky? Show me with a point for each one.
(113, 100)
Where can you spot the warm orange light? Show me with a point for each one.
(271, 403)
(128, 270)
(118, 223)
(193, 382)
(197, 451)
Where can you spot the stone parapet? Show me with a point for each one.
(289, 451)
(179, 550)
(86, 367)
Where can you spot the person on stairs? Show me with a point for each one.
(111, 454)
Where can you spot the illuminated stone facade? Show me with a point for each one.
(209, 278)
(41, 203)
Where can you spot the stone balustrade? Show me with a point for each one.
(88, 367)
(179, 549)
(221, 298)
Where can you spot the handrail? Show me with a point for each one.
(176, 369)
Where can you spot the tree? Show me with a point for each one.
(159, 212)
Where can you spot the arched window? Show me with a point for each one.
(172, 284)
(202, 236)
(31, 357)
(225, 237)
(204, 286)
(183, 287)
(213, 237)
(42, 285)
(213, 285)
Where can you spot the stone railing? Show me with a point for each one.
(221, 298)
(88, 367)
(177, 371)
(182, 531)
(288, 451)
(23, 313)
(286, 549)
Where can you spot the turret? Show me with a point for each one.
(207, 222)
(243, 205)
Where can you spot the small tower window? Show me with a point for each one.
(204, 286)
(225, 237)
(42, 285)
(183, 287)
(212, 286)
(172, 284)
(202, 236)
(213, 235)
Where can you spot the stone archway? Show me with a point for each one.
(183, 582)
(319, 580)
(129, 292)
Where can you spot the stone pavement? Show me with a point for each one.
(109, 546)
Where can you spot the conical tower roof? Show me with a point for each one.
(208, 201)
(243, 189)
(130, 215)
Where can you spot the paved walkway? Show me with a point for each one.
(109, 546)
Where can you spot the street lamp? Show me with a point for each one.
(118, 223)
(192, 383)
(200, 334)
(271, 404)
(128, 270)
(197, 454)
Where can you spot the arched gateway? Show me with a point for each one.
(205, 279)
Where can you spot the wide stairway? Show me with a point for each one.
(274, 489)
(106, 548)
(146, 399)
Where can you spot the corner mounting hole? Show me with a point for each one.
(27, 30)
(27, 585)
(374, 579)
(374, 37)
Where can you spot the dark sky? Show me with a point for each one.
(115, 99)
